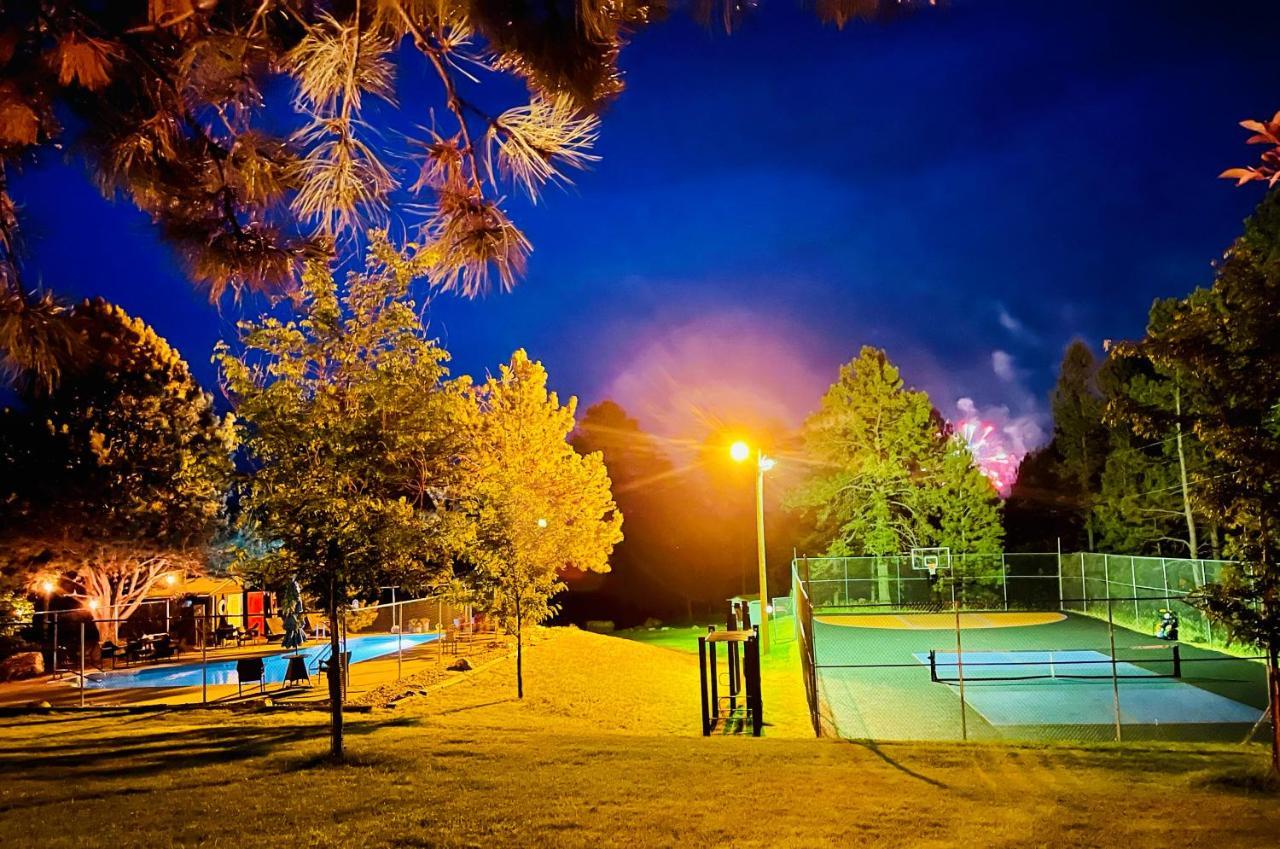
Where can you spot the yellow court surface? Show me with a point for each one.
(941, 621)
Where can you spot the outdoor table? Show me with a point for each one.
(297, 670)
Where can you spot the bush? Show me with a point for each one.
(599, 626)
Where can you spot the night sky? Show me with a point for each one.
(969, 187)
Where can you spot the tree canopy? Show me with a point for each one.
(118, 476)
(889, 475)
(541, 507)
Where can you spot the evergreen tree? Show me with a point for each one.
(893, 477)
(541, 507)
(1079, 435)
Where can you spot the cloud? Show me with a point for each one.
(1009, 322)
(1003, 366)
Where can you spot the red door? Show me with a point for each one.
(253, 608)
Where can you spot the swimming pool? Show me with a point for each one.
(224, 671)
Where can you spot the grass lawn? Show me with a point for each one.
(604, 751)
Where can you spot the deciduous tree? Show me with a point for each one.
(355, 440)
(119, 475)
(541, 507)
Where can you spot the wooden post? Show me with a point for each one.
(715, 681)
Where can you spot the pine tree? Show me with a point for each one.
(1079, 435)
(892, 475)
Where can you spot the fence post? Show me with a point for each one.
(1062, 596)
(964, 719)
(81, 663)
(204, 664)
(1164, 573)
(55, 645)
(1115, 677)
(1084, 584)
(1133, 579)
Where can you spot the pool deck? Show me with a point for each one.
(365, 676)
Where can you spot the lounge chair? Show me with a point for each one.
(248, 670)
(269, 635)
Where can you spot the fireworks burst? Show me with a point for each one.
(987, 445)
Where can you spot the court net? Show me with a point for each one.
(1146, 662)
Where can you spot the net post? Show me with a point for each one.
(1115, 677)
(964, 719)
(933, 665)
(1177, 661)
(715, 680)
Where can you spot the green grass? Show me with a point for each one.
(603, 752)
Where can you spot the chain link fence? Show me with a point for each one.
(1021, 646)
(181, 654)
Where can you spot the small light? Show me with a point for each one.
(542, 523)
(739, 451)
(769, 608)
(170, 579)
(47, 587)
(93, 604)
(766, 463)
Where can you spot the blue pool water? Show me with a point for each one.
(224, 671)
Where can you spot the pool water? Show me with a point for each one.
(224, 671)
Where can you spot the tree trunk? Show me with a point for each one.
(1192, 542)
(519, 651)
(336, 673)
(1273, 676)
(1215, 541)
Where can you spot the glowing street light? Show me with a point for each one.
(542, 523)
(46, 587)
(740, 452)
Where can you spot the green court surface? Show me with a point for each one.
(1047, 681)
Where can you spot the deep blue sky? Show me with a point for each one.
(970, 188)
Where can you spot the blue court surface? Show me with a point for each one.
(1075, 688)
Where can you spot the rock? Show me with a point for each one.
(461, 665)
(40, 704)
(26, 664)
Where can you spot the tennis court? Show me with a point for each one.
(1043, 677)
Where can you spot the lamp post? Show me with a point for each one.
(740, 452)
(51, 629)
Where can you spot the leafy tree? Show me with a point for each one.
(355, 438)
(542, 508)
(1247, 601)
(892, 477)
(1228, 337)
(1079, 435)
(119, 476)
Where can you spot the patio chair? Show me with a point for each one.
(326, 667)
(108, 651)
(248, 670)
(164, 648)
